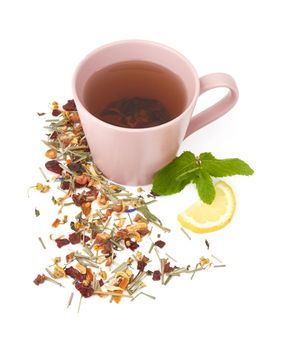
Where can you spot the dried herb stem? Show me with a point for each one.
(145, 294)
(42, 243)
(121, 267)
(112, 294)
(185, 233)
(70, 300)
(170, 257)
(54, 281)
(79, 304)
(44, 175)
(218, 260)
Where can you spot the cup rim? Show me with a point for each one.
(135, 41)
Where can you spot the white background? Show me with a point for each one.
(241, 306)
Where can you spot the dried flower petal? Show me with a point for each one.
(141, 265)
(86, 238)
(74, 238)
(73, 273)
(85, 291)
(69, 106)
(101, 283)
(159, 243)
(39, 279)
(61, 242)
(58, 272)
(78, 199)
(65, 185)
(56, 112)
(42, 188)
(168, 268)
(204, 262)
(54, 166)
(53, 135)
(143, 232)
(131, 244)
(156, 275)
(76, 168)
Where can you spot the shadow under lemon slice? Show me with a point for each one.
(203, 218)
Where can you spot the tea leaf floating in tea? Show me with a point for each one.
(135, 112)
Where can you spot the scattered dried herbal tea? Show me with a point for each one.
(111, 223)
(135, 94)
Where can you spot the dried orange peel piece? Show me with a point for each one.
(123, 285)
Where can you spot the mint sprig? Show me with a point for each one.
(187, 169)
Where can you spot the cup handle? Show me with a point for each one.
(214, 112)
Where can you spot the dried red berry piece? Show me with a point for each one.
(92, 194)
(122, 234)
(39, 279)
(78, 199)
(101, 283)
(56, 112)
(168, 268)
(156, 275)
(131, 244)
(74, 238)
(159, 244)
(69, 257)
(54, 166)
(137, 218)
(86, 238)
(143, 231)
(53, 136)
(73, 273)
(86, 291)
(141, 265)
(62, 242)
(65, 185)
(69, 106)
(76, 167)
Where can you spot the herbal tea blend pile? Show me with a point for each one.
(104, 256)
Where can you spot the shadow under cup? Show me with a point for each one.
(131, 156)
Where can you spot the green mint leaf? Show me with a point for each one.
(176, 175)
(205, 187)
(37, 212)
(226, 167)
(206, 156)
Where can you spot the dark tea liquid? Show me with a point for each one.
(135, 94)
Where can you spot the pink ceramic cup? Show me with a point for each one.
(132, 156)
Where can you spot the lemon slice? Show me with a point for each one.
(202, 218)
